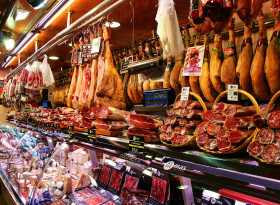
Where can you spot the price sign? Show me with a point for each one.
(232, 93)
(91, 136)
(71, 131)
(96, 44)
(185, 93)
(136, 144)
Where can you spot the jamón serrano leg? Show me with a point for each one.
(75, 100)
(72, 87)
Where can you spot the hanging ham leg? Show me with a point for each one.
(75, 100)
(272, 60)
(259, 82)
(109, 91)
(174, 76)
(85, 87)
(206, 86)
(228, 70)
(243, 11)
(72, 87)
(204, 27)
(216, 61)
(244, 61)
(184, 80)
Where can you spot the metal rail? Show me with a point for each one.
(85, 20)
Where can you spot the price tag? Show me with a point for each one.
(96, 44)
(136, 144)
(71, 131)
(168, 66)
(185, 93)
(91, 136)
(232, 93)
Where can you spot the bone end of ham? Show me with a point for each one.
(144, 122)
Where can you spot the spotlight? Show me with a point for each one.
(9, 44)
(114, 24)
(20, 14)
(37, 4)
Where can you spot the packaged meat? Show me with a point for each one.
(224, 146)
(149, 135)
(213, 129)
(202, 139)
(95, 200)
(135, 196)
(211, 144)
(207, 115)
(271, 153)
(202, 128)
(274, 120)
(104, 175)
(237, 136)
(116, 179)
(158, 190)
(90, 113)
(266, 135)
(255, 148)
(110, 125)
(232, 123)
(110, 113)
(130, 182)
(144, 122)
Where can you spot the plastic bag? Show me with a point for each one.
(24, 74)
(47, 75)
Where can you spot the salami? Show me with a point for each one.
(270, 153)
(185, 104)
(169, 137)
(173, 120)
(219, 108)
(177, 112)
(194, 114)
(202, 128)
(184, 138)
(223, 134)
(192, 123)
(234, 111)
(187, 131)
(211, 144)
(259, 122)
(169, 129)
(255, 148)
(175, 139)
(266, 135)
(182, 121)
(162, 128)
(207, 116)
(213, 128)
(163, 136)
(177, 130)
(220, 119)
(224, 146)
(202, 139)
(184, 112)
(232, 123)
(274, 120)
(237, 136)
(277, 137)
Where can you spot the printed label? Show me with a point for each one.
(136, 144)
(96, 44)
(232, 93)
(229, 51)
(185, 93)
(194, 61)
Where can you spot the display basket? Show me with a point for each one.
(192, 141)
(242, 147)
(268, 110)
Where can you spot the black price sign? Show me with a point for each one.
(91, 136)
(71, 131)
(52, 125)
(57, 126)
(136, 144)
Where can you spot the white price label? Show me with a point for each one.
(168, 66)
(239, 203)
(185, 93)
(96, 44)
(232, 94)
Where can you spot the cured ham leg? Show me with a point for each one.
(72, 87)
(109, 91)
(184, 80)
(166, 83)
(259, 82)
(272, 60)
(194, 80)
(125, 86)
(244, 61)
(75, 100)
(216, 61)
(85, 88)
(228, 70)
(206, 86)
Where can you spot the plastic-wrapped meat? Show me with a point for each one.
(135, 195)
(116, 179)
(178, 104)
(232, 123)
(255, 148)
(224, 146)
(30, 78)
(220, 119)
(259, 122)
(187, 131)
(158, 189)
(129, 182)
(174, 120)
(213, 129)
(196, 105)
(182, 121)
(192, 123)
(110, 125)
(162, 128)
(105, 175)
(23, 76)
(202, 128)
(169, 129)
(177, 130)
(149, 135)
(111, 113)
(270, 153)
(163, 137)
(90, 113)
(202, 139)
(237, 136)
(195, 114)
(266, 135)
(144, 121)
(170, 112)
(207, 116)
(274, 120)
(167, 120)
(35, 80)
(211, 144)
(277, 137)
(234, 111)
(223, 134)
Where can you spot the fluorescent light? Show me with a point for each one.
(20, 14)
(10, 61)
(9, 44)
(53, 57)
(35, 36)
(114, 24)
(58, 13)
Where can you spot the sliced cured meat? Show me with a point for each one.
(144, 121)
(259, 122)
(162, 128)
(167, 120)
(185, 104)
(110, 125)
(237, 136)
(270, 153)
(163, 137)
(207, 116)
(202, 128)
(105, 175)
(213, 128)
(182, 122)
(169, 137)
(266, 135)
(174, 120)
(178, 104)
(232, 123)
(89, 113)
(184, 138)
(211, 144)
(187, 131)
(176, 139)
(192, 123)
(116, 179)
(194, 114)
(220, 108)
(234, 111)
(255, 148)
(196, 105)
(277, 137)
(220, 119)
(169, 129)
(111, 113)
(223, 134)
(149, 135)
(224, 146)
(170, 112)
(274, 120)
(202, 139)
(177, 130)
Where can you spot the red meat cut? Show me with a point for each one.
(89, 113)
(266, 135)
(255, 148)
(232, 123)
(274, 120)
(270, 153)
(144, 121)
(182, 121)
(105, 175)
(111, 113)
(202, 139)
(110, 125)
(128, 183)
(220, 119)
(224, 146)
(116, 179)
(277, 137)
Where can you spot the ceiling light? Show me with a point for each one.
(114, 24)
(9, 44)
(53, 57)
(20, 14)
(70, 44)
(9, 60)
(37, 4)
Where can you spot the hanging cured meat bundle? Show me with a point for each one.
(272, 60)
(216, 61)
(259, 82)
(244, 61)
(75, 100)
(109, 91)
(184, 80)
(228, 70)
(204, 80)
(194, 80)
